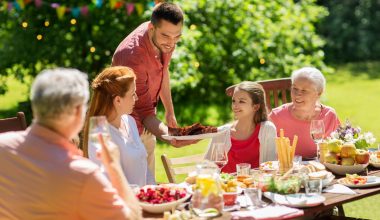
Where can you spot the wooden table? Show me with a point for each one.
(340, 199)
(331, 200)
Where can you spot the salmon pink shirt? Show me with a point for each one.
(42, 176)
(282, 118)
(137, 52)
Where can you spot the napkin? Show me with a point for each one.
(269, 212)
(339, 189)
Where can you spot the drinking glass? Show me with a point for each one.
(219, 155)
(98, 126)
(255, 196)
(313, 187)
(317, 133)
(297, 160)
(243, 171)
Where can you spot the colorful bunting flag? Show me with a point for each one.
(75, 12)
(118, 5)
(54, 5)
(21, 3)
(130, 7)
(98, 3)
(84, 10)
(112, 3)
(61, 9)
(139, 8)
(151, 4)
(38, 3)
(10, 6)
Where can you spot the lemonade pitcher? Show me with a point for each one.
(208, 197)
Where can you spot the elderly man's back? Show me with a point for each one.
(42, 177)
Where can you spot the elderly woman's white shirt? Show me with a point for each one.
(133, 156)
(267, 136)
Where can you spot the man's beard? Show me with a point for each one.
(155, 42)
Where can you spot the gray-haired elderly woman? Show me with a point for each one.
(45, 175)
(308, 84)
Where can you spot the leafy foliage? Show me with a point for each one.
(226, 42)
(351, 30)
(63, 44)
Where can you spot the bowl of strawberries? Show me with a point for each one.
(161, 198)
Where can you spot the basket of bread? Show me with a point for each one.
(374, 159)
(316, 170)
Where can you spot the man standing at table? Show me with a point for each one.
(148, 50)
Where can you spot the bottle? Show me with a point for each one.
(323, 150)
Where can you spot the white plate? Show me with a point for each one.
(370, 184)
(269, 166)
(343, 170)
(230, 208)
(192, 137)
(298, 200)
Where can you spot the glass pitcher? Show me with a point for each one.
(207, 199)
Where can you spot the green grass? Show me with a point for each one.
(198, 148)
(352, 91)
(17, 92)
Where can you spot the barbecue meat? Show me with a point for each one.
(194, 129)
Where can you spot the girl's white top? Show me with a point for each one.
(267, 136)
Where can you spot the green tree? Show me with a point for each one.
(351, 30)
(83, 42)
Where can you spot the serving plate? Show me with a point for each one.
(343, 170)
(376, 182)
(298, 200)
(192, 137)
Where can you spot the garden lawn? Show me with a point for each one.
(17, 92)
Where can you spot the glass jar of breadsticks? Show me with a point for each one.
(285, 152)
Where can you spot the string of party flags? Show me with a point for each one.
(76, 11)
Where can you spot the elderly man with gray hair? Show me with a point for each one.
(44, 176)
(308, 84)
